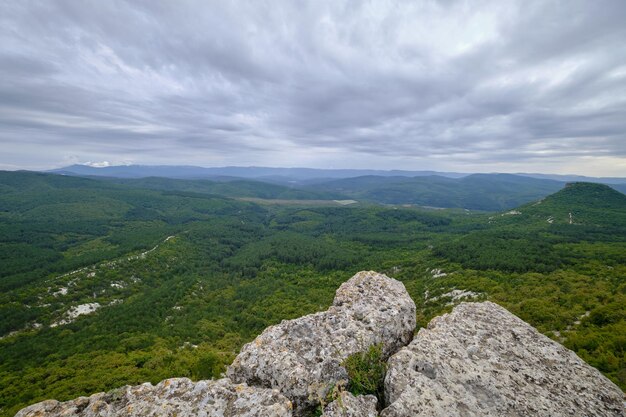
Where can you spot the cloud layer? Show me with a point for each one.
(447, 85)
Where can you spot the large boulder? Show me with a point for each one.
(172, 397)
(302, 357)
(481, 360)
(347, 405)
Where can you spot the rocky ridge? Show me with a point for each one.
(171, 397)
(302, 357)
(479, 360)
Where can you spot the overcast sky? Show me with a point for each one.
(471, 86)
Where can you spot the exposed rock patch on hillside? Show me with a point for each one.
(302, 358)
(481, 360)
(171, 397)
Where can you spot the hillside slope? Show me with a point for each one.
(530, 237)
(51, 223)
(489, 192)
(583, 211)
(227, 187)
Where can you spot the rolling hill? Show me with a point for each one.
(489, 192)
(584, 206)
(227, 187)
(532, 237)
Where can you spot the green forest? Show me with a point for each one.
(172, 279)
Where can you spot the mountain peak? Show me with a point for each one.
(591, 195)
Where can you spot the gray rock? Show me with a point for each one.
(172, 397)
(302, 358)
(481, 360)
(347, 405)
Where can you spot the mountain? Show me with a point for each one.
(531, 237)
(584, 195)
(577, 204)
(226, 187)
(490, 192)
(285, 175)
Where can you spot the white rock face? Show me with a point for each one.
(481, 360)
(172, 397)
(456, 295)
(74, 312)
(61, 291)
(302, 358)
(347, 405)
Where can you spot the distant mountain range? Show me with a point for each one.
(284, 175)
(489, 192)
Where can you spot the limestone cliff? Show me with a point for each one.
(479, 360)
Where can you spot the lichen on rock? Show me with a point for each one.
(481, 360)
(348, 405)
(172, 397)
(302, 357)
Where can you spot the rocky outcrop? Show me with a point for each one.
(347, 405)
(481, 360)
(302, 358)
(171, 397)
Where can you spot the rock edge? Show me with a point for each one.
(482, 360)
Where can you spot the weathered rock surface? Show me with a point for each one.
(481, 360)
(171, 397)
(302, 357)
(347, 405)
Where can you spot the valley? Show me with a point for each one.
(107, 282)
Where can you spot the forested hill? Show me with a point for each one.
(586, 196)
(531, 237)
(489, 192)
(585, 206)
(227, 187)
(52, 223)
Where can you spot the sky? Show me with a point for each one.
(466, 86)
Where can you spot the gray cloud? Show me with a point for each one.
(448, 85)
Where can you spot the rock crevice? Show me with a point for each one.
(302, 357)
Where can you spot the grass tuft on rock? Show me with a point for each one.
(366, 372)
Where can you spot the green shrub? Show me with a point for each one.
(366, 372)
